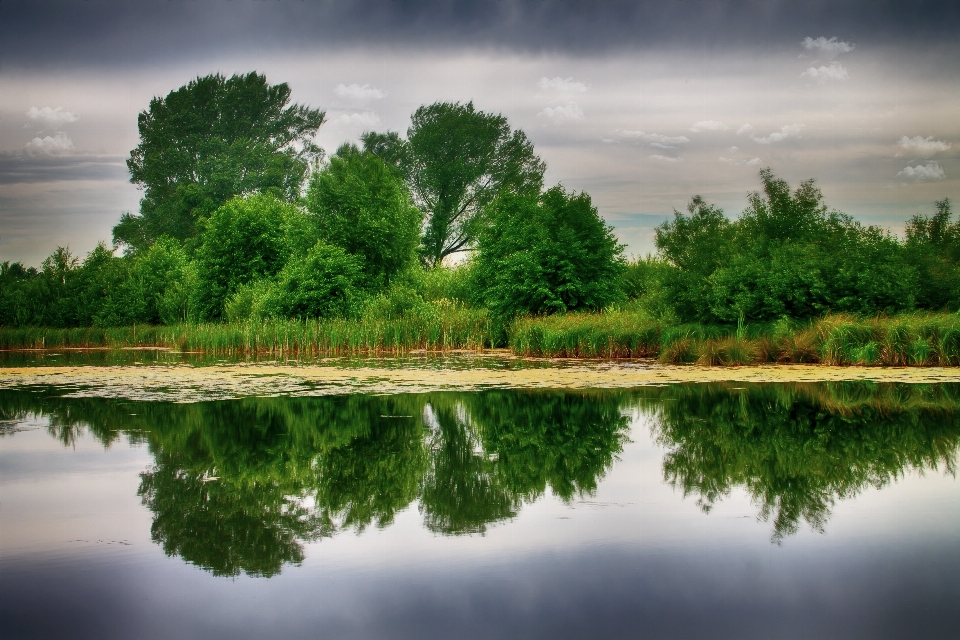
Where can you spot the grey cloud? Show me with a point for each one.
(19, 169)
(115, 32)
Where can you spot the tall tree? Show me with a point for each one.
(359, 204)
(208, 141)
(456, 161)
(546, 255)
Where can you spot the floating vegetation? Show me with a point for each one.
(183, 383)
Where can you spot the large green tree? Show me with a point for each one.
(546, 255)
(210, 140)
(359, 204)
(245, 240)
(457, 160)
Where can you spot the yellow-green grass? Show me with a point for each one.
(918, 339)
(454, 328)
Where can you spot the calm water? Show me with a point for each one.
(720, 511)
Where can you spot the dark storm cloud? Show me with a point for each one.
(38, 33)
(22, 168)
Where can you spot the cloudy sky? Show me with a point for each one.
(641, 104)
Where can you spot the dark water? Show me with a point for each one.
(720, 511)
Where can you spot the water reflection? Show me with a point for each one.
(796, 449)
(239, 486)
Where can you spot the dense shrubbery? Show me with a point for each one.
(786, 256)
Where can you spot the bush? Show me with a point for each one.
(361, 205)
(548, 254)
(322, 284)
(244, 240)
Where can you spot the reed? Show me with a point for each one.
(919, 339)
(451, 327)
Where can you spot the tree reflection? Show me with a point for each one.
(797, 449)
(238, 486)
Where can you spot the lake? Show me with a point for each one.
(703, 509)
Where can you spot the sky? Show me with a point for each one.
(640, 104)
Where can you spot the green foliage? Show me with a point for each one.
(361, 205)
(933, 245)
(208, 141)
(166, 279)
(457, 160)
(796, 449)
(546, 255)
(323, 284)
(243, 241)
(786, 256)
(843, 339)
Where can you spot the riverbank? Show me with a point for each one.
(921, 339)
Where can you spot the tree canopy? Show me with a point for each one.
(359, 204)
(547, 254)
(208, 141)
(786, 256)
(456, 160)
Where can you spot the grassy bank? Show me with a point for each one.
(453, 328)
(912, 340)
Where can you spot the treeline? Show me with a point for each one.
(244, 220)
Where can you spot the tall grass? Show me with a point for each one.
(435, 328)
(919, 339)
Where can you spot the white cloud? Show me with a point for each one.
(365, 118)
(733, 149)
(58, 143)
(566, 85)
(52, 117)
(665, 158)
(359, 92)
(828, 48)
(750, 163)
(922, 173)
(744, 128)
(826, 74)
(923, 146)
(608, 141)
(786, 131)
(708, 125)
(656, 140)
(561, 113)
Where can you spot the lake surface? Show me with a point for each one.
(789, 510)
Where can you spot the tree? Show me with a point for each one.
(933, 245)
(244, 240)
(208, 141)
(787, 255)
(322, 284)
(548, 254)
(457, 160)
(695, 245)
(361, 205)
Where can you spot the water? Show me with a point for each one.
(825, 510)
